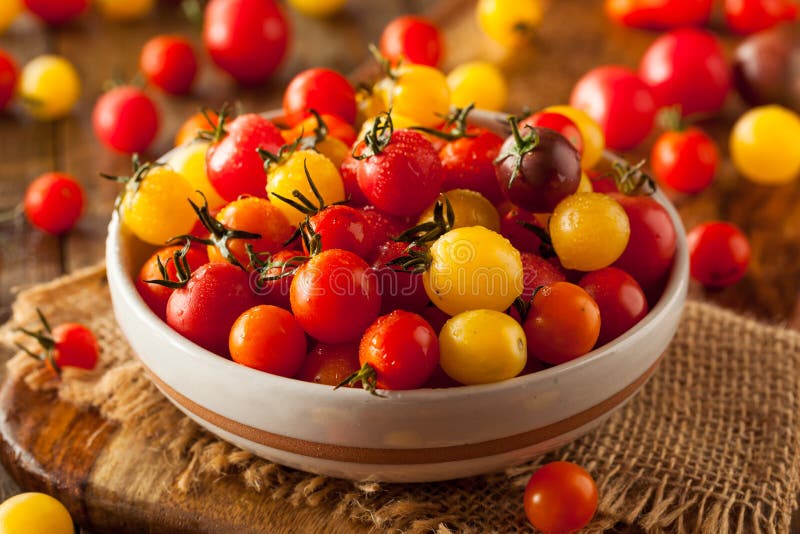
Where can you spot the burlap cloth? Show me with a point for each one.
(711, 444)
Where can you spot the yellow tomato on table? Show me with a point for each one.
(34, 513)
(49, 87)
(509, 22)
(125, 10)
(318, 8)
(765, 145)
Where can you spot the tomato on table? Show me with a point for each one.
(56, 12)
(8, 78)
(659, 14)
(125, 119)
(414, 39)
(54, 202)
(268, 338)
(318, 8)
(749, 16)
(560, 497)
(719, 254)
(34, 513)
(510, 23)
(765, 145)
(169, 62)
(68, 344)
(685, 160)
(125, 10)
(48, 87)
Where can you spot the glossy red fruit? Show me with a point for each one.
(560, 497)
(156, 295)
(621, 301)
(269, 339)
(54, 202)
(57, 12)
(276, 292)
(619, 101)
(659, 14)
(8, 79)
(169, 63)
(399, 289)
(687, 67)
(349, 173)
(685, 160)
(749, 16)
(344, 228)
(324, 91)
(125, 119)
(76, 346)
(536, 272)
(719, 254)
(558, 122)
(468, 163)
(383, 227)
(329, 364)
(248, 39)
(522, 238)
(412, 39)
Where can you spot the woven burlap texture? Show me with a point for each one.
(709, 445)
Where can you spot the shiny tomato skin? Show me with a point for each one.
(687, 67)
(337, 127)
(349, 173)
(659, 14)
(233, 165)
(399, 289)
(125, 119)
(523, 239)
(204, 310)
(384, 227)
(269, 339)
(560, 497)
(719, 254)
(324, 91)
(248, 39)
(621, 301)
(335, 296)
(413, 39)
(686, 160)
(9, 72)
(468, 163)
(54, 202)
(558, 122)
(402, 348)
(169, 63)
(330, 364)
(344, 228)
(619, 101)
(155, 295)
(536, 272)
(76, 346)
(276, 292)
(750, 16)
(57, 12)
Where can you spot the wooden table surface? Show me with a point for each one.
(574, 38)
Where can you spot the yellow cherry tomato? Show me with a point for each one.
(369, 104)
(480, 83)
(589, 231)
(594, 142)
(125, 10)
(481, 347)
(418, 92)
(334, 149)
(155, 205)
(9, 9)
(585, 185)
(509, 22)
(318, 8)
(765, 145)
(49, 87)
(34, 513)
(470, 209)
(190, 162)
(473, 268)
(285, 177)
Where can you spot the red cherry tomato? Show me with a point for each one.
(247, 39)
(621, 301)
(337, 127)
(57, 12)
(685, 160)
(558, 122)
(269, 339)
(204, 310)
(125, 119)
(750, 16)
(8, 79)
(619, 101)
(54, 202)
(324, 91)
(522, 238)
(233, 165)
(349, 173)
(718, 254)
(560, 497)
(412, 39)
(659, 14)
(335, 296)
(76, 346)
(398, 351)
(399, 289)
(383, 227)
(468, 163)
(156, 295)
(169, 62)
(276, 292)
(651, 246)
(330, 364)
(687, 67)
(537, 271)
(343, 227)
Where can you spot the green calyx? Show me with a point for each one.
(368, 377)
(417, 257)
(132, 181)
(44, 337)
(523, 144)
(455, 125)
(632, 180)
(377, 138)
(182, 270)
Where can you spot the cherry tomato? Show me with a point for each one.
(125, 10)
(522, 238)
(537, 271)
(258, 216)
(765, 64)
(324, 91)
(685, 160)
(233, 165)
(54, 202)
(34, 513)
(482, 346)
(125, 119)
(169, 62)
(337, 128)
(399, 289)
(247, 39)
(560, 497)
(621, 301)
(765, 145)
(538, 168)
(468, 163)
(478, 82)
(9, 11)
(470, 209)
(619, 101)
(318, 8)
(49, 87)
(199, 122)
(651, 247)
(563, 323)
(719, 254)
(687, 67)
(510, 23)
(413, 39)
(190, 162)
(8, 79)
(330, 364)
(276, 292)
(473, 268)
(594, 141)
(204, 310)
(335, 296)
(344, 228)
(57, 12)
(558, 122)
(269, 339)
(68, 344)
(750, 16)
(659, 14)
(156, 295)
(417, 92)
(383, 227)
(576, 224)
(398, 351)
(406, 158)
(348, 170)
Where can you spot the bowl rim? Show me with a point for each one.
(674, 291)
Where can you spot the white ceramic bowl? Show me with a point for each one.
(409, 436)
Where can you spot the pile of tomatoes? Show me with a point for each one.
(360, 237)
